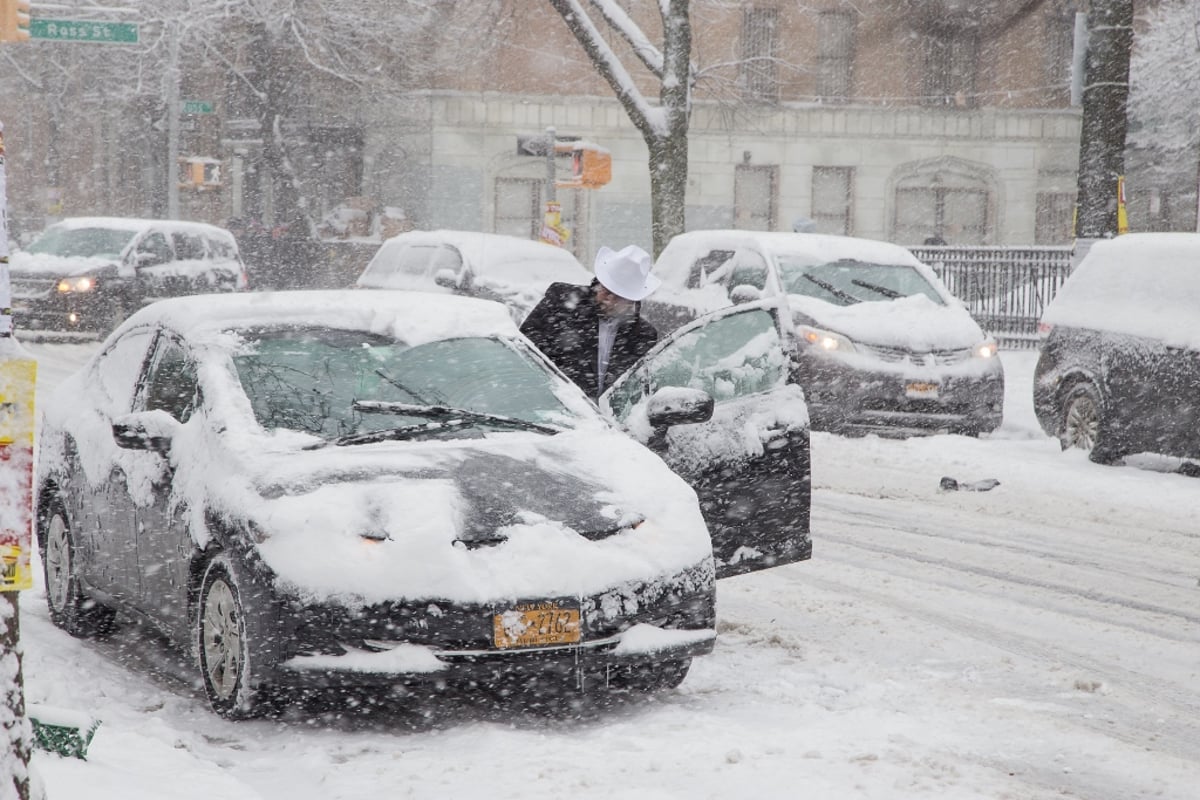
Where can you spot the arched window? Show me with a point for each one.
(943, 201)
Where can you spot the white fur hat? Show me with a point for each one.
(626, 272)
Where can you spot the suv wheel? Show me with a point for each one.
(1083, 424)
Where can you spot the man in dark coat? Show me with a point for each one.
(595, 333)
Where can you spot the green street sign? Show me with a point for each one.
(197, 107)
(65, 30)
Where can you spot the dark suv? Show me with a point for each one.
(1120, 362)
(89, 273)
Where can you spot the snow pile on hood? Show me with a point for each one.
(913, 323)
(1143, 284)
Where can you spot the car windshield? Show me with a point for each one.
(848, 281)
(324, 382)
(411, 261)
(81, 242)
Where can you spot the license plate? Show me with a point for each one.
(921, 391)
(536, 625)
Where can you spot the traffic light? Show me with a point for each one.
(14, 20)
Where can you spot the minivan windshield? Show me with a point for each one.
(849, 281)
(81, 242)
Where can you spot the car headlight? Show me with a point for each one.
(987, 349)
(79, 283)
(825, 340)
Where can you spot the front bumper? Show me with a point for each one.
(846, 398)
(667, 620)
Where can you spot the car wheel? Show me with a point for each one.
(651, 677)
(1083, 423)
(230, 648)
(69, 609)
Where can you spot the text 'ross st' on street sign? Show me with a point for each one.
(65, 30)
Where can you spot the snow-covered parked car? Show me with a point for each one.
(1119, 367)
(355, 487)
(491, 266)
(883, 344)
(89, 273)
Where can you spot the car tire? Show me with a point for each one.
(232, 648)
(69, 608)
(1083, 421)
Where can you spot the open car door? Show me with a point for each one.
(713, 401)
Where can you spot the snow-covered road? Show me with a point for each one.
(1040, 640)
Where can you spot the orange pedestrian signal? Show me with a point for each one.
(591, 165)
(14, 20)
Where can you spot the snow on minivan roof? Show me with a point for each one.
(1142, 284)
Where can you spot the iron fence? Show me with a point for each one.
(1005, 288)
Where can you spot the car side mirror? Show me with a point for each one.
(448, 279)
(146, 260)
(745, 293)
(673, 405)
(146, 430)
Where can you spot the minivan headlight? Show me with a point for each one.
(79, 283)
(825, 340)
(986, 349)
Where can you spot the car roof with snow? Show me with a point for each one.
(137, 225)
(676, 259)
(409, 316)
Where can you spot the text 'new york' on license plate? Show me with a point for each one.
(921, 390)
(538, 624)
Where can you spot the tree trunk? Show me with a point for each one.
(1103, 128)
(668, 187)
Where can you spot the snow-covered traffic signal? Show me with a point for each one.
(14, 20)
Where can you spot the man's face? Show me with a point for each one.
(612, 305)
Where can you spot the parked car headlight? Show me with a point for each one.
(987, 349)
(825, 340)
(79, 283)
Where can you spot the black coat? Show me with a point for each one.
(565, 326)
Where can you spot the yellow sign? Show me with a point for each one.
(1122, 216)
(553, 231)
(18, 379)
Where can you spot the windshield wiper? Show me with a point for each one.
(845, 297)
(883, 290)
(393, 434)
(449, 413)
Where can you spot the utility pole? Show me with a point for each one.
(1103, 128)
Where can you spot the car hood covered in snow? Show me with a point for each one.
(912, 323)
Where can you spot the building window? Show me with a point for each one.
(833, 199)
(951, 61)
(835, 54)
(754, 191)
(952, 208)
(1055, 222)
(759, 69)
(1059, 51)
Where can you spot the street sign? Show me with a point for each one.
(65, 30)
(197, 107)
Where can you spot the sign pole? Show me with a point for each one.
(18, 373)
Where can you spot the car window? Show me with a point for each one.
(118, 368)
(705, 266)
(746, 269)
(733, 356)
(848, 281)
(157, 247)
(309, 379)
(188, 246)
(171, 384)
(81, 242)
(219, 247)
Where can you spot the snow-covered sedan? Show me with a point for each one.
(316, 488)
(492, 266)
(884, 345)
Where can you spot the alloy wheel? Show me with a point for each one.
(58, 564)
(221, 639)
(1082, 423)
